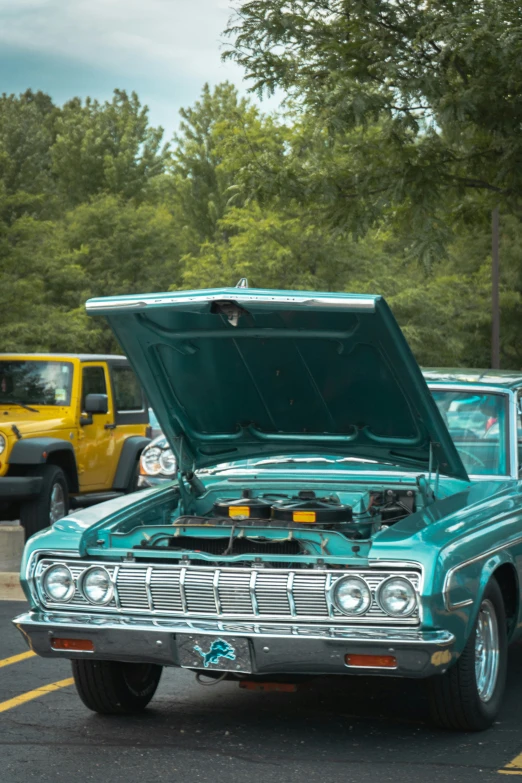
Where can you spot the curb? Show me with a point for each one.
(11, 548)
(10, 589)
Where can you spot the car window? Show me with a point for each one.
(127, 390)
(477, 423)
(93, 382)
(36, 382)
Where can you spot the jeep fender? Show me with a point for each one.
(39, 451)
(129, 456)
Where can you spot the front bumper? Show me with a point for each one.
(275, 648)
(19, 487)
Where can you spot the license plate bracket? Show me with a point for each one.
(214, 653)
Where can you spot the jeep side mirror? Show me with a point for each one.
(96, 403)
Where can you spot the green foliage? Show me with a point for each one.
(106, 148)
(92, 204)
(218, 159)
(421, 102)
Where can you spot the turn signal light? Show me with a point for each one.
(76, 645)
(371, 661)
(239, 511)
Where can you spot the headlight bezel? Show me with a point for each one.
(148, 453)
(3, 443)
(167, 471)
(354, 578)
(110, 593)
(154, 453)
(69, 595)
(415, 602)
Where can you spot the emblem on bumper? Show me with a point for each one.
(218, 649)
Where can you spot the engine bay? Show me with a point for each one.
(259, 524)
(371, 511)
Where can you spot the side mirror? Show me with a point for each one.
(96, 403)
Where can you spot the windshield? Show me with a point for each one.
(477, 422)
(35, 382)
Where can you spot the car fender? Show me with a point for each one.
(39, 451)
(129, 456)
(465, 584)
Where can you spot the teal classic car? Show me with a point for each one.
(333, 511)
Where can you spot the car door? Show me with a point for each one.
(96, 442)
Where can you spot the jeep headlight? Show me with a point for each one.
(58, 583)
(96, 585)
(2, 443)
(168, 462)
(158, 460)
(397, 597)
(150, 461)
(352, 595)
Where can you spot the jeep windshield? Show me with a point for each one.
(35, 382)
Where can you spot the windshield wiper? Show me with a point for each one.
(20, 404)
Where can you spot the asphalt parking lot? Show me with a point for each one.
(351, 730)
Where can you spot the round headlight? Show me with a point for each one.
(352, 595)
(58, 583)
(97, 586)
(2, 443)
(150, 461)
(168, 462)
(397, 597)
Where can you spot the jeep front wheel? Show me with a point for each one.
(51, 504)
(115, 688)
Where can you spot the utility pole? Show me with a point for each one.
(495, 301)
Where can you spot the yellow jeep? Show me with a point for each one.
(72, 428)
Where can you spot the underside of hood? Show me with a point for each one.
(241, 373)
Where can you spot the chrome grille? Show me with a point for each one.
(132, 591)
(260, 594)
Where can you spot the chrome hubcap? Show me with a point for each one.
(486, 651)
(57, 504)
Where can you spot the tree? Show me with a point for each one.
(27, 132)
(106, 148)
(273, 248)
(422, 99)
(107, 247)
(221, 138)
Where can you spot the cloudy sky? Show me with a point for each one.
(163, 49)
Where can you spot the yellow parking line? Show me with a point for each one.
(514, 767)
(16, 658)
(53, 686)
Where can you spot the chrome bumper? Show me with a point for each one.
(275, 648)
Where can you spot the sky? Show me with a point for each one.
(165, 50)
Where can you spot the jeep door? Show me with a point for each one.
(97, 453)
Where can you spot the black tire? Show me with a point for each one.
(36, 515)
(115, 688)
(455, 700)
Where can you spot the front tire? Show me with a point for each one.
(468, 696)
(115, 688)
(51, 504)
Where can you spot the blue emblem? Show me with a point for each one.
(218, 649)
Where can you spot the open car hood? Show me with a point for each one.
(239, 373)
